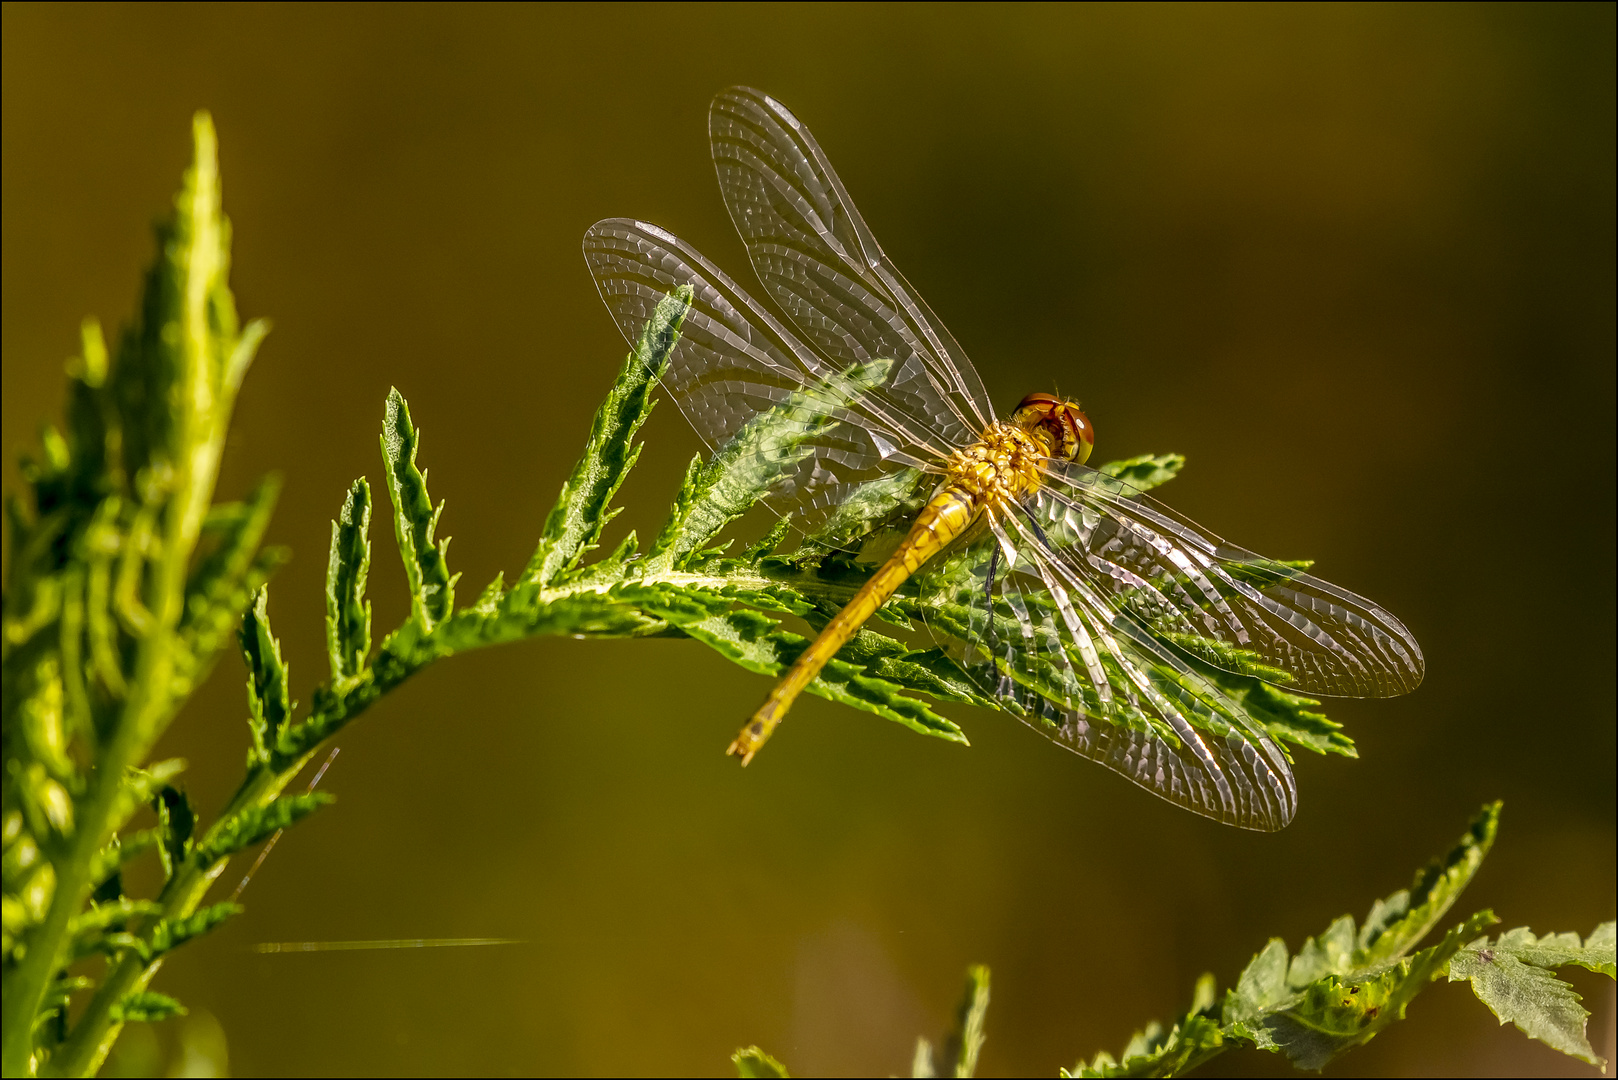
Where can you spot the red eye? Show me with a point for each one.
(1038, 398)
(1086, 434)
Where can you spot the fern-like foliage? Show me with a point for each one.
(1339, 990)
(126, 580)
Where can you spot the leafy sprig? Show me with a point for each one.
(126, 580)
(1339, 990)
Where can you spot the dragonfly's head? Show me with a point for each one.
(1064, 429)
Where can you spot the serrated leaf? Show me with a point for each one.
(348, 612)
(765, 450)
(176, 821)
(172, 933)
(140, 786)
(1514, 977)
(1562, 950)
(268, 704)
(1333, 1014)
(965, 1040)
(753, 642)
(753, 1062)
(258, 823)
(582, 509)
(1331, 953)
(1289, 718)
(145, 1006)
(415, 519)
(1156, 1052)
(1147, 471)
(1599, 947)
(91, 929)
(1261, 987)
(1397, 923)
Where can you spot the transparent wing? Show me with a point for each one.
(831, 430)
(820, 263)
(1221, 603)
(1040, 639)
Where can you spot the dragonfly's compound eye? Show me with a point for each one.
(1038, 400)
(1061, 424)
(1083, 431)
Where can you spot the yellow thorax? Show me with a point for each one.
(1001, 467)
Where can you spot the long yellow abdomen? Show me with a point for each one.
(948, 515)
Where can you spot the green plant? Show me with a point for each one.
(1340, 989)
(126, 580)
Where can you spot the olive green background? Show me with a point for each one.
(1356, 262)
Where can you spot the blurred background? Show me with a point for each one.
(1356, 262)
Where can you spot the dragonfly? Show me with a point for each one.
(1069, 597)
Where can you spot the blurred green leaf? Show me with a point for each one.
(965, 1039)
(258, 823)
(172, 933)
(176, 821)
(753, 1062)
(145, 1006)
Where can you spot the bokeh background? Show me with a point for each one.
(1357, 262)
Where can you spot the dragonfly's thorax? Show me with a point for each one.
(1001, 467)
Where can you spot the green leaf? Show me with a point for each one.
(92, 418)
(1156, 1052)
(1334, 1014)
(965, 1040)
(1345, 986)
(269, 707)
(767, 448)
(415, 519)
(172, 933)
(1599, 949)
(100, 927)
(1147, 471)
(146, 1006)
(1261, 988)
(62, 990)
(259, 823)
(176, 821)
(752, 641)
(752, 1061)
(1397, 923)
(582, 509)
(1288, 718)
(1514, 977)
(348, 613)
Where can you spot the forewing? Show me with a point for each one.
(820, 263)
(1221, 603)
(1042, 642)
(832, 430)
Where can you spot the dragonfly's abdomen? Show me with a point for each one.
(987, 476)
